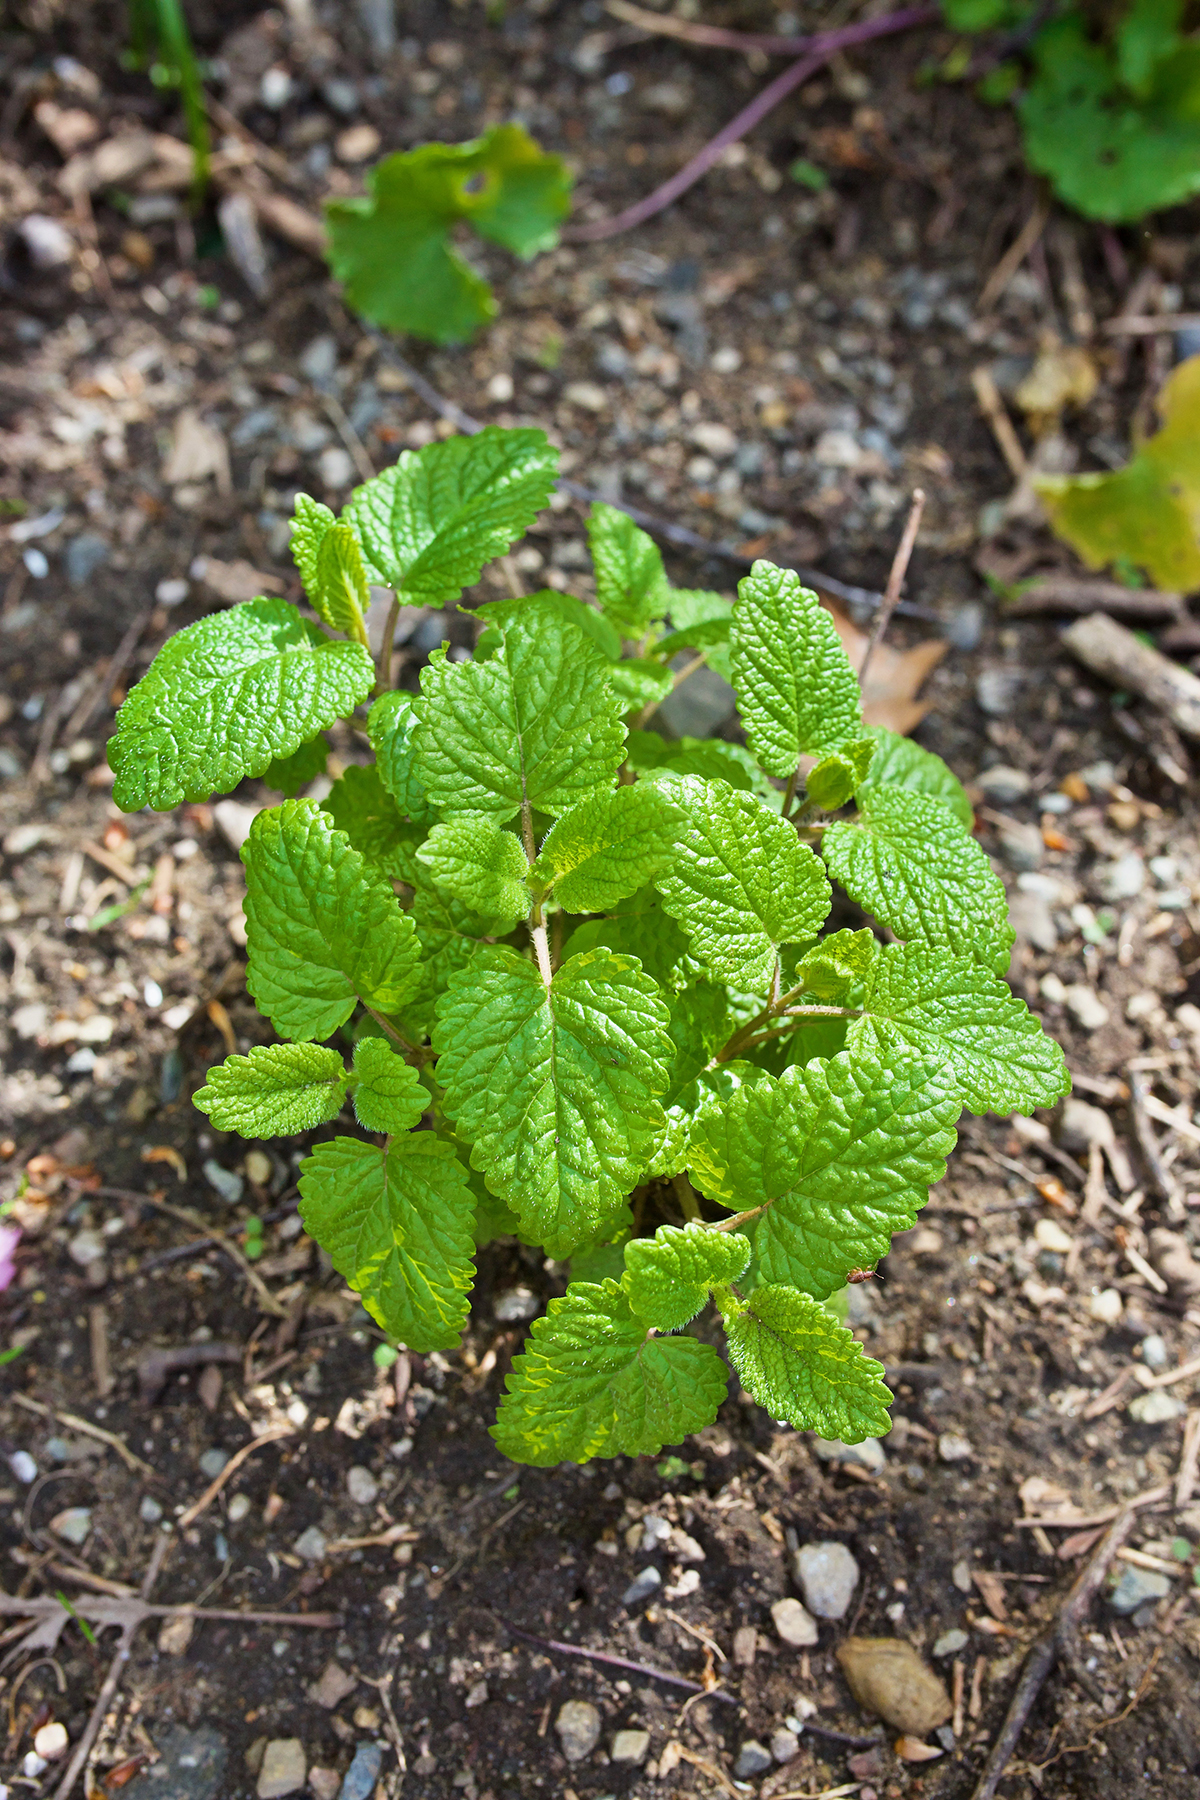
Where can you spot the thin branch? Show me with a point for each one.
(617, 1662)
(383, 668)
(266, 1298)
(235, 1462)
(895, 582)
(712, 37)
(818, 53)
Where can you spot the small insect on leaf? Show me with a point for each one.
(856, 1277)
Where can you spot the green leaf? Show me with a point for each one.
(323, 928)
(838, 777)
(668, 1277)
(839, 962)
(742, 883)
(538, 725)
(547, 603)
(558, 1091)
(691, 607)
(641, 928)
(898, 762)
(276, 1090)
(698, 1026)
(796, 690)
(430, 523)
(711, 758)
(391, 248)
(592, 1382)
(963, 1015)
(804, 1367)
(631, 583)
(390, 728)
(909, 862)
(1147, 34)
(288, 774)
(703, 1097)
(449, 934)
(396, 1222)
(361, 807)
(639, 682)
(839, 1154)
(388, 1095)
(227, 696)
(1147, 513)
(608, 848)
(330, 562)
(701, 636)
(474, 860)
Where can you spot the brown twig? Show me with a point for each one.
(1014, 256)
(1160, 1178)
(1069, 594)
(710, 37)
(1150, 324)
(617, 1662)
(266, 1298)
(895, 581)
(231, 1467)
(89, 1430)
(1060, 1641)
(1003, 429)
(1185, 1481)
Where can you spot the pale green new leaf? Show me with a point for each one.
(330, 562)
(276, 1090)
(712, 758)
(558, 1091)
(741, 883)
(449, 934)
(390, 727)
(323, 928)
(668, 1277)
(795, 687)
(631, 583)
(962, 1014)
(537, 724)
(397, 1223)
(837, 777)
(388, 1095)
(804, 1367)
(547, 603)
(838, 963)
(606, 849)
(898, 762)
(697, 607)
(639, 682)
(430, 523)
(361, 807)
(227, 696)
(592, 1382)
(704, 1097)
(474, 860)
(839, 1154)
(909, 862)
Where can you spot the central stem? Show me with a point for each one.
(537, 922)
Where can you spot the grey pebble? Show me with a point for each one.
(311, 1544)
(1136, 1587)
(224, 1181)
(753, 1759)
(149, 1512)
(1157, 1407)
(641, 1587)
(578, 1728)
(83, 556)
(363, 1773)
(827, 1575)
(1154, 1351)
(951, 1642)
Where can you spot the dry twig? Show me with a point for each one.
(617, 1662)
(895, 581)
(1014, 256)
(89, 1430)
(231, 1467)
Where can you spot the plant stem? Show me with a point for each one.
(537, 923)
(891, 593)
(737, 1219)
(689, 1206)
(389, 1030)
(789, 792)
(383, 672)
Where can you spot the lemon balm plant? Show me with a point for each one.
(571, 977)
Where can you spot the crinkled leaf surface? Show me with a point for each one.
(832, 782)
(361, 807)
(558, 1091)
(388, 1095)
(449, 934)
(703, 1097)
(639, 927)
(668, 1277)
(276, 1090)
(631, 583)
(795, 687)
(909, 862)
(1149, 511)
(606, 849)
(323, 928)
(741, 883)
(224, 697)
(397, 1223)
(699, 1025)
(430, 523)
(329, 559)
(591, 1382)
(288, 774)
(804, 1367)
(961, 1013)
(840, 1154)
(474, 860)
(898, 762)
(538, 723)
(711, 758)
(547, 603)
(836, 964)
(639, 682)
(390, 728)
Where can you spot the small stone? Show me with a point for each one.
(888, 1678)
(784, 1745)
(324, 1784)
(239, 1506)
(1021, 845)
(1003, 785)
(83, 556)
(950, 1643)
(868, 1455)
(74, 1525)
(1172, 1256)
(1155, 1354)
(23, 1467)
(477, 1695)
(361, 1485)
(212, 1462)
(753, 1759)
(149, 1512)
(50, 1741)
(1106, 1307)
(1156, 1407)
(332, 1686)
(283, 1769)
(828, 1575)
(1051, 1236)
(363, 1772)
(586, 395)
(358, 143)
(745, 1646)
(961, 1576)
(630, 1746)
(259, 1167)
(578, 1728)
(500, 388)
(233, 820)
(996, 691)
(1136, 1587)
(1123, 879)
(953, 1447)
(714, 438)
(655, 1531)
(225, 1182)
(33, 1765)
(516, 1303)
(172, 591)
(311, 1544)
(641, 1587)
(191, 1764)
(86, 1247)
(794, 1623)
(336, 467)
(1086, 1006)
(175, 1634)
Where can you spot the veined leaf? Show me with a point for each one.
(430, 523)
(699, 1025)
(607, 848)
(390, 728)
(631, 583)
(839, 776)
(700, 607)
(388, 1095)
(547, 603)
(474, 860)
(701, 636)
(840, 1155)
(397, 1223)
(668, 1277)
(703, 1097)
(329, 559)
(592, 1382)
(711, 758)
(276, 1090)
(962, 1014)
(639, 682)
(741, 883)
(639, 927)
(323, 929)
(558, 1090)
(802, 1366)
(898, 762)
(288, 774)
(361, 807)
(537, 724)
(795, 687)
(839, 962)
(909, 862)
(227, 696)
(449, 934)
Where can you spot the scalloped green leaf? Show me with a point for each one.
(796, 690)
(329, 558)
(668, 1277)
(389, 1095)
(361, 807)
(604, 850)
(546, 603)
(836, 778)
(802, 1366)
(639, 927)
(898, 762)
(288, 774)
(474, 860)
(390, 728)
(274, 1091)
(631, 583)
(836, 964)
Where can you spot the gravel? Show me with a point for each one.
(794, 1623)
(578, 1728)
(827, 1575)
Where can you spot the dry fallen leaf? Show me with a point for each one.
(1063, 375)
(894, 678)
(197, 451)
(234, 581)
(165, 1153)
(911, 1749)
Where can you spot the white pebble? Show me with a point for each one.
(1106, 1306)
(51, 1740)
(1051, 1236)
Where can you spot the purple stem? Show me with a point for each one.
(818, 54)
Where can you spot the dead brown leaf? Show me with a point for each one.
(895, 677)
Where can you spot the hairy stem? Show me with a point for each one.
(731, 1224)
(536, 921)
(421, 1052)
